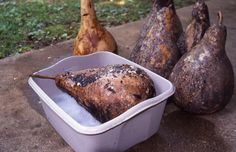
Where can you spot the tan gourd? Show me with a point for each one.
(92, 37)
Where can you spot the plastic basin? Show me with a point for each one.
(83, 132)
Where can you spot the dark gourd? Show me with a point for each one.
(108, 91)
(196, 29)
(204, 77)
(175, 27)
(92, 37)
(158, 51)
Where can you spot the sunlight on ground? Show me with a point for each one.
(117, 2)
(122, 2)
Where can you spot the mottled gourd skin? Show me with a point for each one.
(204, 77)
(158, 51)
(196, 29)
(108, 91)
(176, 28)
(92, 37)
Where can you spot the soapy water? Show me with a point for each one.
(75, 110)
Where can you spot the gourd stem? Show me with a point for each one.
(220, 17)
(42, 76)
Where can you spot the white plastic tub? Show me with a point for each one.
(84, 133)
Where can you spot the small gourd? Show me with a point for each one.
(92, 37)
(196, 29)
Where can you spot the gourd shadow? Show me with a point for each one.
(180, 131)
(33, 100)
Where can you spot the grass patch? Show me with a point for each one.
(32, 24)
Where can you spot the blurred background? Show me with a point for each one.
(33, 24)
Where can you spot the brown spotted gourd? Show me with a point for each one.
(204, 77)
(108, 91)
(175, 25)
(158, 50)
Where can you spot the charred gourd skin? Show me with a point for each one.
(92, 37)
(158, 51)
(204, 77)
(108, 91)
(196, 29)
(175, 29)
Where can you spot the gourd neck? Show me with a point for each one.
(88, 14)
(159, 4)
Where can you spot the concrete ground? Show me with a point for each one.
(22, 128)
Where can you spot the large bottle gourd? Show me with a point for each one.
(92, 37)
(204, 77)
(158, 50)
(175, 29)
